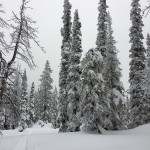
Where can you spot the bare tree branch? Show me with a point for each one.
(23, 33)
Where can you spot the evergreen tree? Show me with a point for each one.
(45, 93)
(32, 106)
(145, 108)
(102, 27)
(137, 65)
(74, 76)
(24, 107)
(91, 90)
(16, 96)
(127, 111)
(37, 102)
(54, 109)
(11, 101)
(148, 50)
(3, 65)
(113, 86)
(65, 53)
(2, 118)
(9, 110)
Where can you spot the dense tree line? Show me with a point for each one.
(91, 94)
(102, 100)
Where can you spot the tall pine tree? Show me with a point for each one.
(32, 106)
(54, 109)
(146, 86)
(24, 108)
(113, 86)
(137, 65)
(93, 107)
(148, 50)
(65, 53)
(16, 96)
(102, 27)
(74, 76)
(37, 102)
(45, 93)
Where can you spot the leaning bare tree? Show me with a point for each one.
(23, 34)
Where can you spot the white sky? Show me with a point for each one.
(48, 15)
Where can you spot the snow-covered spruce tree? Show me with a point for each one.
(65, 53)
(3, 65)
(73, 78)
(145, 108)
(9, 110)
(2, 73)
(137, 65)
(113, 86)
(45, 93)
(37, 102)
(148, 50)
(15, 97)
(2, 118)
(54, 109)
(11, 101)
(125, 112)
(102, 27)
(24, 107)
(32, 106)
(126, 116)
(91, 89)
(101, 46)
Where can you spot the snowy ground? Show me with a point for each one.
(46, 138)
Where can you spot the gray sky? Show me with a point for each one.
(48, 15)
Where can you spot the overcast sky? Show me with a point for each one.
(48, 15)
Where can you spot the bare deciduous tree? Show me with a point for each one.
(23, 34)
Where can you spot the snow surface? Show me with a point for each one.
(46, 138)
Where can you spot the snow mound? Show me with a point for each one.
(41, 127)
(38, 128)
(41, 124)
(141, 130)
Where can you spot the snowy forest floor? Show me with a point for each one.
(46, 138)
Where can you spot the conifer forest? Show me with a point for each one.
(90, 95)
